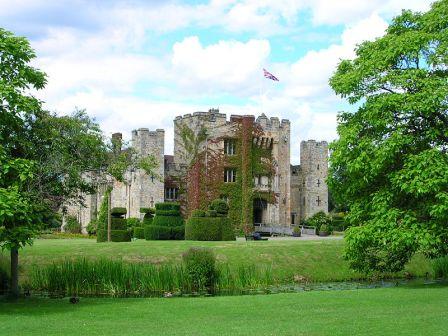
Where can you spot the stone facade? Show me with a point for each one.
(309, 189)
(300, 190)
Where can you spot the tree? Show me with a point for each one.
(44, 157)
(390, 163)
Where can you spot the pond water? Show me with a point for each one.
(291, 288)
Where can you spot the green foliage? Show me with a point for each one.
(118, 223)
(220, 206)
(211, 213)
(157, 232)
(440, 266)
(390, 164)
(178, 232)
(318, 219)
(147, 220)
(92, 227)
(139, 232)
(297, 231)
(146, 211)
(120, 236)
(169, 221)
(133, 222)
(4, 275)
(209, 228)
(101, 235)
(167, 206)
(168, 213)
(72, 225)
(200, 266)
(118, 212)
(198, 213)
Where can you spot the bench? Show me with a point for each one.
(255, 236)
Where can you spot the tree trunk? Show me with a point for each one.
(14, 290)
(109, 220)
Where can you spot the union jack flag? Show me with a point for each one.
(268, 75)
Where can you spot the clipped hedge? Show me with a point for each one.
(178, 232)
(101, 235)
(150, 211)
(118, 224)
(198, 213)
(209, 228)
(167, 213)
(167, 206)
(220, 206)
(167, 221)
(156, 232)
(139, 232)
(211, 213)
(118, 212)
(120, 236)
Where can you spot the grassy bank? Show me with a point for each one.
(391, 311)
(319, 260)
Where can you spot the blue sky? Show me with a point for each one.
(134, 64)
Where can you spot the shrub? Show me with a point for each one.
(220, 206)
(118, 212)
(178, 232)
(101, 235)
(168, 221)
(72, 225)
(139, 232)
(167, 206)
(147, 220)
(92, 227)
(156, 232)
(119, 236)
(131, 223)
(209, 228)
(297, 232)
(200, 266)
(440, 267)
(150, 211)
(319, 219)
(198, 213)
(211, 213)
(117, 224)
(167, 213)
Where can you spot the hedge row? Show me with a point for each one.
(209, 228)
(167, 206)
(170, 221)
(139, 232)
(115, 235)
(156, 232)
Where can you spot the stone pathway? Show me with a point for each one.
(304, 237)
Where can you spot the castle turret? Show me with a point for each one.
(314, 170)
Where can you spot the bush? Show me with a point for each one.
(211, 213)
(92, 227)
(4, 274)
(117, 224)
(167, 206)
(118, 212)
(220, 206)
(147, 221)
(200, 266)
(119, 236)
(297, 231)
(150, 211)
(101, 235)
(209, 228)
(198, 213)
(156, 232)
(440, 267)
(178, 232)
(167, 221)
(319, 219)
(167, 213)
(72, 225)
(131, 223)
(139, 232)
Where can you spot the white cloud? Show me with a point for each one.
(229, 65)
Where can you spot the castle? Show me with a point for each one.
(300, 190)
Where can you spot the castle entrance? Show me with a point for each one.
(260, 208)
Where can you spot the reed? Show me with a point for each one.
(108, 277)
(440, 267)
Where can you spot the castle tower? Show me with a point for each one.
(314, 171)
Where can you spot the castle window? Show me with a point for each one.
(229, 147)
(171, 193)
(229, 175)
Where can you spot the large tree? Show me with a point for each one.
(390, 163)
(43, 157)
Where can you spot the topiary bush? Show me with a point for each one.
(200, 266)
(120, 236)
(118, 212)
(198, 213)
(209, 228)
(211, 213)
(220, 206)
(167, 223)
(101, 235)
(133, 222)
(92, 227)
(139, 232)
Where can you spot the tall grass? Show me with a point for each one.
(117, 278)
(440, 267)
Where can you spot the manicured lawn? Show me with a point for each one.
(386, 311)
(316, 260)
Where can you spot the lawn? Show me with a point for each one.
(319, 260)
(385, 311)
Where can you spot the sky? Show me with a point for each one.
(139, 63)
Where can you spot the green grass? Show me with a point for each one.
(386, 311)
(315, 260)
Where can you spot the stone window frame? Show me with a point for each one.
(229, 175)
(171, 193)
(229, 146)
